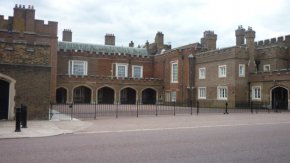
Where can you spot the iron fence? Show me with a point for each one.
(94, 111)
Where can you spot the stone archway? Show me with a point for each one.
(82, 94)
(4, 99)
(106, 95)
(279, 98)
(148, 96)
(7, 95)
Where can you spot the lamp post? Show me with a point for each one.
(190, 67)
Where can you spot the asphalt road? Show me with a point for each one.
(265, 143)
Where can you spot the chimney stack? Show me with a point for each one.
(131, 44)
(67, 35)
(110, 39)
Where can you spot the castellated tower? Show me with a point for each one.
(67, 35)
(250, 42)
(209, 40)
(240, 36)
(110, 39)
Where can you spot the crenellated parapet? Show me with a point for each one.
(228, 52)
(97, 55)
(273, 41)
(102, 49)
(109, 79)
(23, 21)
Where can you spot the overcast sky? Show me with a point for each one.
(181, 21)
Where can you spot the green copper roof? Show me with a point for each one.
(101, 48)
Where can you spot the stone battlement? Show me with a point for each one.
(23, 20)
(102, 54)
(272, 41)
(224, 51)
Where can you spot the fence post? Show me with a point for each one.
(50, 111)
(226, 111)
(137, 109)
(95, 109)
(174, 109)
(71, 110)
(156, 113)
(190, 106)
(117, 109)
(197, 107)
(251, 105)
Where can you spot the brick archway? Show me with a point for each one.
(106, 95)
(128, 96)
(149, 96)
(279, 98)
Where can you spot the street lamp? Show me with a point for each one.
(190, 67)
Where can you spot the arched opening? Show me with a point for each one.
(61, 95)
(4, 99)
(280, 98)
(128, 96)
(106, 95)
(149, 96)
(82, 94)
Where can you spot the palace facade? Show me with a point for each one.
(37, 69)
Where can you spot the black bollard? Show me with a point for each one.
(23, 116)
(18, 120)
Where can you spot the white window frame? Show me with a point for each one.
(201, 92)
(224, 94)
(117, 69)
(174, 79)
(242, 70)
(133, 71)
(173, 96)
(72, 63)
(202, 73)
(265, 69)
(256, 93)
(221, 73)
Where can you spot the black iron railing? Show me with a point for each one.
(94, 111)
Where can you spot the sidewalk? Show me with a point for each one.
(41, 128)
(144, 123)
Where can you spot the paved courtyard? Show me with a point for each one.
(210, 138)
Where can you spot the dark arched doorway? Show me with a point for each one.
(128, 96)
(149, 96)
(106, 95)
(4, 99)
(82, 94)
(61, 95)
(279, 98)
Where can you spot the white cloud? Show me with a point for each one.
(181, 21)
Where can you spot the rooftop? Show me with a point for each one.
(63, 45)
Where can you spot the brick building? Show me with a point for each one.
(36, 69)
(28, 57)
